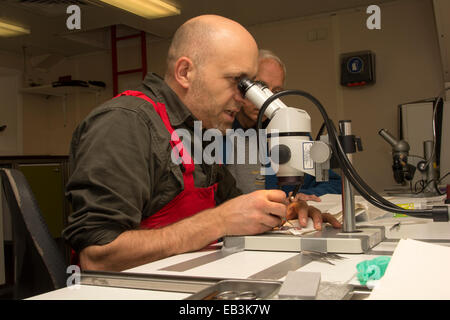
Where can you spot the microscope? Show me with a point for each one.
(292, 153)
(404, 171)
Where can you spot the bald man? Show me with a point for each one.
(132, 203)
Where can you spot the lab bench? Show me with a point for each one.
(185, 275)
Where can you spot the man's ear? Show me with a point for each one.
(183, 71)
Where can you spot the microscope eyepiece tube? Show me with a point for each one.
(388, 137)
(245, 84)
(258, 95)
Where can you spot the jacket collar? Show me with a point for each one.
(176, 110)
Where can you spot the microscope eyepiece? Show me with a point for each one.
(245, 84)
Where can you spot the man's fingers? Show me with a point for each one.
(294, 208)
(276, 196)
(276, 209)
(271, 221)
(316, 216)
(328, 217)
(307, 197)
(302, 210)
(319, 217)
(315, 198)
(298, 209)
(291, 212)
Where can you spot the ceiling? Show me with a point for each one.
(49, 34)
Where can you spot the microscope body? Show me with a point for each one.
(291, 151)
(289, 145)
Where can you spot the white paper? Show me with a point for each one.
(417, 271)
(332, 203)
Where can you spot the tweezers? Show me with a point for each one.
(318, 257)
(291, 199)
(395, 226)
(323, 257)
(294, 193)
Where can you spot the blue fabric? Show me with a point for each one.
(310, 185)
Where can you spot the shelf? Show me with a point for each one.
(49, 90)
(63, 92)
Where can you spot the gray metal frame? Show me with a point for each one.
(327, 240)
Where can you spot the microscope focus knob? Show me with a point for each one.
(422, 166)
(320, 152)
(284, 153)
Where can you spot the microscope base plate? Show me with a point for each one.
(327, 240)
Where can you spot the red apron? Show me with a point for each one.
(191, 200)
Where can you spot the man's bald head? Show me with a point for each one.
(200, 38)
(207, 57)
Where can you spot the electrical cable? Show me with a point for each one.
(320, 131)
(440, 97)
(428, 161)
(436, 185)
(349, 171)
(445, 175)
(424, 185)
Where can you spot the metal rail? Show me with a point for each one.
(171, 283)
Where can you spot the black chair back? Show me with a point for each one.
(39, 264)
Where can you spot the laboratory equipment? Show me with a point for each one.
(288, 139)
(404, 171)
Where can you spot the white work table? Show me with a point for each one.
(258, 265)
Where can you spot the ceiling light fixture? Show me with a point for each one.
(149, 9)
(10, 30)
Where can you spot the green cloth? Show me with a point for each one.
(372, 269)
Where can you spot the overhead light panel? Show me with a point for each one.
(10, 30)
(149, 9)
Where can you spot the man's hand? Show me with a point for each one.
(301, 210)
(305, 197)
(253, 213)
